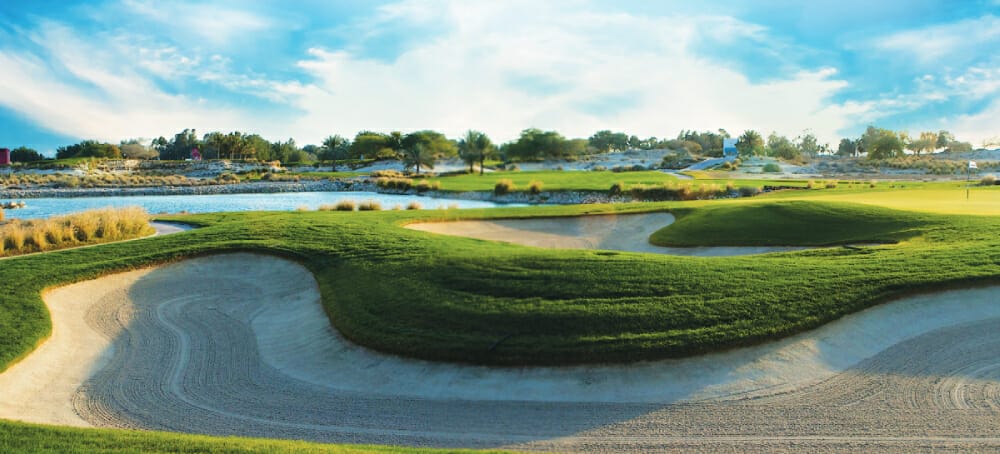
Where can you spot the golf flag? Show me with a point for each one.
(972, 165)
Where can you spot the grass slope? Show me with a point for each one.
(787, 224)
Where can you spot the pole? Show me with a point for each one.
(968, 178)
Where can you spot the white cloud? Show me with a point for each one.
(495, 66)
(935, 44)
(82, 91)
(212, 24)
(641, 68)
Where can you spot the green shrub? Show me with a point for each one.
(832, 184)
(749, 191)
(504, 186)
(535, 187)
(617, 188)
(414, 206)
(771, 168)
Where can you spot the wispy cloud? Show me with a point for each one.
(943, 44)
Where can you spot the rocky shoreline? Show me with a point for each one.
(351, 185)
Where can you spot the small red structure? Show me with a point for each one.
(195, 154)
(4, 157)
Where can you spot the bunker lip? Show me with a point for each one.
(239, 344)
(620, 232)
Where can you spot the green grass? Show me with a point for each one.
(447, 298)
(787, 224)
(25, 438)
(553, 180)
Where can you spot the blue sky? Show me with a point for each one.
(119, 69)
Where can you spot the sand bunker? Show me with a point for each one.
(239, 345)
(621, 232)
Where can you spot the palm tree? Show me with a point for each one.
(475, 146)
(416, 155)
(334, 148)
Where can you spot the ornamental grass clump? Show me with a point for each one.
(414, 206)
(535, 187)
(370, 205)
(988, 180)
(504, 186)
(345, 205)
(88, 227)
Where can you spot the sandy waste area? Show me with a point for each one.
(619, 232)
(238, 344)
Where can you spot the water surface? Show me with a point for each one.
(286, 201)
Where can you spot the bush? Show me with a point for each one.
(401, 184)
(771, 168)
(504, 186)
(749, 191)
(422, 186)
(988, 180)
(327, 207)
(811, 184)
(370, 205)
(617, 188)
(345, 205)
(414, 206)
(832, 184)
(535, 187)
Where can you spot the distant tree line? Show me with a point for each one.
(421, 149)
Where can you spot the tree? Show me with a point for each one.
(371, 145)
(808, 144)
(881, 143)
(781, 147)
(927, 142)
(25, 154)
(433, 142)
(944, 138)
(605, 141)
(475, 146)
(750, 144)
(418, 155)
(710, 143)
(179, 147)
(847, 147)
(334, 148)
(535, 144)
(133, 149)
(89, 149)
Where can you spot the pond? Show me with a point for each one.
(286, 201)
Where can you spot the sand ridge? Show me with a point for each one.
(238, 344)
(620, 232)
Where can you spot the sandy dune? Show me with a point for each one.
(238, 344)
(622, 232)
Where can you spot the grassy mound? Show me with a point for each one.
(788, 224)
